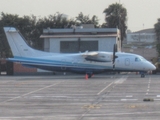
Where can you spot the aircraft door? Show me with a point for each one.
(127, 62)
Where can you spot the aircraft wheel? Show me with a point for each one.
(142, 75)
(89, 75)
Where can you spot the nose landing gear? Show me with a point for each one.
(142, 74)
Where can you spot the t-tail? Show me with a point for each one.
(18, 44)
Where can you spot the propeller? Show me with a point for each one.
(114, 55)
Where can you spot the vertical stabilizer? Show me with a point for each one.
(18, 45)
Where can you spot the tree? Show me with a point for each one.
(85, 19)
(31, 27)
(157, 31)
(55, 21)
(25, 24)
(158, 49)
(116, 16)
(6, 20)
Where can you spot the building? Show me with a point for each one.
(142, 36)
(80, 39)
(142, 42)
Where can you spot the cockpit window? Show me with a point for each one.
(143, 59)
(137, 59)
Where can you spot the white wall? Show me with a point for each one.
(46, 45)
(141, 37)
(104, 44)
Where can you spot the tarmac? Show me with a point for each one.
(72, 97)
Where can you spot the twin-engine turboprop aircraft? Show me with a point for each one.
(86, 63)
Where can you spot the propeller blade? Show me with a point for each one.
(113, 66)
(114, 54)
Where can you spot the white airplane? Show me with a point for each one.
(87, 63)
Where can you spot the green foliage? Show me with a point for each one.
(116, 16)
(31, 27)
(157, 30)
(158, 49)
(25, 24)
(85, 19)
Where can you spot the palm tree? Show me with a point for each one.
(116, 16)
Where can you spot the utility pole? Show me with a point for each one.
(119, 17)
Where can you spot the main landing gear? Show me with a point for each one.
(88, 75)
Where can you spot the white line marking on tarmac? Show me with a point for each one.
(157, 99)
(52, 97)
(121, 80)
(128, 99)
(148, 86)
(105, 88)
(31, 92)
(129, 96)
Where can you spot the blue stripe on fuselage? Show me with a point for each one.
(44, 62)
(54, 65)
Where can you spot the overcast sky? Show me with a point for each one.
(142, 14)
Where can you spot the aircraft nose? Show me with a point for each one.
(152, 67)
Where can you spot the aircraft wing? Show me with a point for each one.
(97, 56)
